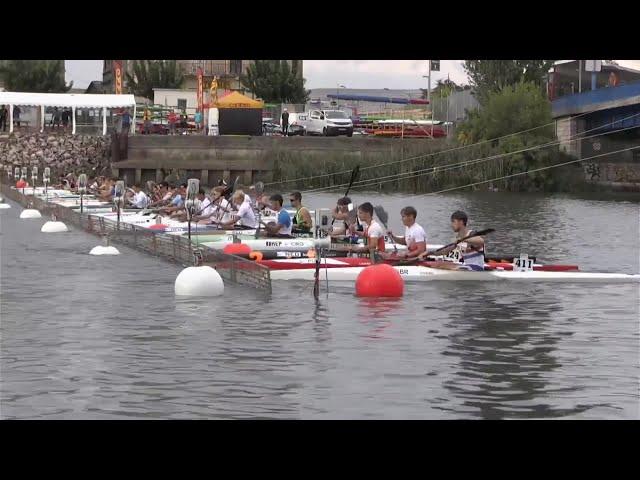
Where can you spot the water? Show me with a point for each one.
(105, 338)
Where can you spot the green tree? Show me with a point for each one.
(150, 74)
(444, 88)
(513, 109)
(488, 76)
(274, 81)
(44, 76)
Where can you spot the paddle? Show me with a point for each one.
(354, 174)
(259, 189)
(383, 216)
(479, 233)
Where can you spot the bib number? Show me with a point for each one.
(454, 255)
(523, 264)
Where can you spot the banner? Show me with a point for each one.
(200, 90)
(117, 76)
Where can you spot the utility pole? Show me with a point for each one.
(579, 76)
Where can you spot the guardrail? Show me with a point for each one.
(174, 248)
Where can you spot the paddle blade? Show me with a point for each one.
(354, 175)
(382, 215)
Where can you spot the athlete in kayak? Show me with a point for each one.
(343, 217)
(302, 222)
(470, 252)
(414, 236)
(243, 216)
(373, 232)
(281, 227)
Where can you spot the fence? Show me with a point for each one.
(174, 248)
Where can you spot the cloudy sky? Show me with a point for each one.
(404, 74)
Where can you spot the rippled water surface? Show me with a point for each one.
(104, 337)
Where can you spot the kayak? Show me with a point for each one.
(310, 263)
(413, 274)
(282, 244)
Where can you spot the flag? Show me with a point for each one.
(200, 90)
(117, 75)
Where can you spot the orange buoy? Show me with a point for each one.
(237, 249)
(158, 226)
(380, 280)
(21, 184)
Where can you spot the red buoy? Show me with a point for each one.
(21, 184)
(158, 226)
(237, 249)
(379, 280)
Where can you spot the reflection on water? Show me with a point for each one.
(100, 337)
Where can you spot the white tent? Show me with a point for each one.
(68, 100)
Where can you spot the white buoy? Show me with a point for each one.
(102, 250)
(53, 226)
(30, 213)
(199, 282)
(1, 199)
(4, 206)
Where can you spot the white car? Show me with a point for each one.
(325, 122)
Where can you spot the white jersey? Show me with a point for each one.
(205, 208)
(221, 211)
(468, 256)
(413, 235)
(245, 215)
(140, 200)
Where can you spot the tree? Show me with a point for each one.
(274, 81)
(522, 106)
(444, 88)
(488, 76)
(150, 74)
(44, 76)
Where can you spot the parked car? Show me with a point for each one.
(326, 122)
(295, 129)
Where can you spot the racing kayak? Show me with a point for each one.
(414, 274)
(310, 263)
(285, 244)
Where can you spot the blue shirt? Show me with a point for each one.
(284, 219)
(177, 201)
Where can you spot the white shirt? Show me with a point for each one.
(205, 207)
(245, 215)
(140, 199)
(375, 230)
(219, 208)
(414, 234)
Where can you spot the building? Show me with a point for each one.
(595, 123)
(227, 71)
(568, 77)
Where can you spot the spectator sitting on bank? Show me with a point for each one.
(172, 118)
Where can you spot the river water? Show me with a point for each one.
(105, 338)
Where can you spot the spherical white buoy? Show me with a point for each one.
(4, 206)
(102, 250)
(30, 213)
(199, 282)
(1, 199)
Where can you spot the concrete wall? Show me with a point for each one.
(248, 157)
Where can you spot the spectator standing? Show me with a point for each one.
(126, 120)
(3, 118)
(172, 118)
(65, 118)
(198, 119)
(55, 118)
(285, 122)
(146, 118)
(16, 115)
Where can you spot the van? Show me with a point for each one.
(325, 122)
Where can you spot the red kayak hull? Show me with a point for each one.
(364, 262)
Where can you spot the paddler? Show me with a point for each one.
(471, 251)
(177, 202)
(302, 222)
(243, 215)
(281, 228)
(342, 217)
(220, 207)
(414, 236)
(373, 232)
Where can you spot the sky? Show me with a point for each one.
(401, 74)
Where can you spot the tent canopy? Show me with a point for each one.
(237, 100)
(78, 100)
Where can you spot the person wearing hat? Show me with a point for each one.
(285, 122)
